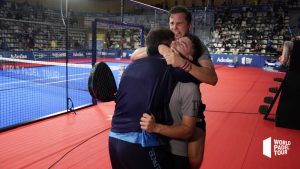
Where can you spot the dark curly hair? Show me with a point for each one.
(196, 46)
(156, 37)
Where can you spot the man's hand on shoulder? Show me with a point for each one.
(139, 53)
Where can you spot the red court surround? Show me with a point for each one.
(235, 130)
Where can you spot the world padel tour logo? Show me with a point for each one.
(280, 147)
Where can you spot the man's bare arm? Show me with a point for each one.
(181, 131)
(206, 73)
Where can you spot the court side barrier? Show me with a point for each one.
(254, 60)
(44, 55)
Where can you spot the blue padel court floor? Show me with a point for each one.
(31, 93)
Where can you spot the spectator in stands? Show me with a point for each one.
(243, 35)
(253, 45)
(269, 46)
(258, 46)
(224, 43)
(242, 48)
(219, 51)
(4, 45)
(270, 13)
(286, 53)
(39, 46)
(53, 44)
(215, 34)
(238, 43)
(77, 45)
(235, 51)
(30, 43)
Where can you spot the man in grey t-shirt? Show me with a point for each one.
(184, 101)
(184, 106)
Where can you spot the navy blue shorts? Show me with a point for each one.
(180, 162)
(125, 155)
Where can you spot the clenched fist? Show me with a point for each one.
(148, 123)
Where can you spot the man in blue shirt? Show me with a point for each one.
(129, 146)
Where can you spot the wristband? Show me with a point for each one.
(184, 66)
(187, 66)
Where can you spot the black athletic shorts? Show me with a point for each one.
(180, 162)
(201, 118)
(125, 155)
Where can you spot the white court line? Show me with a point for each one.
(40, 84)
(55, 63)
(36, 80)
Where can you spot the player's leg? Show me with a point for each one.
(124, 155)
(180, 162)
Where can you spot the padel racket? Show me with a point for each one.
(101, 84)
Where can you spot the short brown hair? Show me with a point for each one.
(181, 9)
(157, 36)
